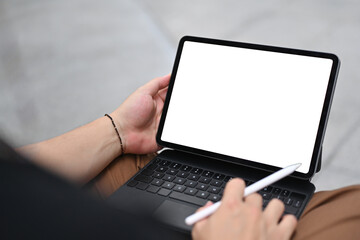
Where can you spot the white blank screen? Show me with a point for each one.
(251, 104)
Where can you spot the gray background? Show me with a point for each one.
(64, 63)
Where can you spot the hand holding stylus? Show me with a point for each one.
(192, 219)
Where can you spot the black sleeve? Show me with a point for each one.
(35, 204)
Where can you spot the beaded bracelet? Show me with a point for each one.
(121, 143)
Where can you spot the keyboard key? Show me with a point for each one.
(285, 193)
(202, 186)
(132, 183)
(185, 168)
(142, 185)
(188, 198)
(280, 198)
(157, 160)
(290, 210)
(266, 196)
(298, 199)
(152, 166)
(267, 189)
(191, 191)
(147, 172)
(183, 174)
(194, 177)
(168, 185)
(179, 188)
(164, 192)
(297, 203)
(161, 169)
(152, 189)
(143, 178)
(298, 196)
(219, 176)
(288, 201)
(164, 163)
(172, 171)
(205, 179)
(196, 171)
(207, 174)
(276, 191)
(175, 165)
(191, 183)
(265, 203)
(213, 189)
(168, 178)
(214, 197)
(216, 183)
(158, 175)
(179, 180)
(228, 178)
(157, 182)
(202, 194)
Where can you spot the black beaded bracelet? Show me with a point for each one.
(121, 143)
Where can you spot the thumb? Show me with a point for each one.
(155, 85)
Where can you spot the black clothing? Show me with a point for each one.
(35, 204)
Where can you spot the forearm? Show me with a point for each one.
(78, 155)
(83, 153)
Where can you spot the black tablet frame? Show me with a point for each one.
(316, 156)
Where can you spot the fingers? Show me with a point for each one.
(209, 203)
(155, 85)
(159, 147)
(234, 191)
(273, 212)
(162, 93)
(237, 217)
(255, 200)
(202, 221)
(272, 215)
(287, 226)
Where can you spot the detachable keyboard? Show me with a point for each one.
(197, 186)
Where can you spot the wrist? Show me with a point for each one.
(122, 147)
(124, 130)
(115, 135)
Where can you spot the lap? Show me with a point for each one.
(331, 215)
(117, 173)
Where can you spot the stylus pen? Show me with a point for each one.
(276, 176)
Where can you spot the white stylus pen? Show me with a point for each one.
(276, 176)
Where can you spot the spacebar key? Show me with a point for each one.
(187, 198)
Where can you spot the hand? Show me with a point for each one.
(138, 117)
(239, 218)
